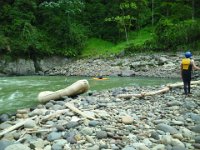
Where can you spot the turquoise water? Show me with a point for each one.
(21, 92)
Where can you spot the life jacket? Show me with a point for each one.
(186, 63)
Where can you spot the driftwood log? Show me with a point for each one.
(19, 124)
(79, 87)
(54, 115)
(76, 110)
(163, 90)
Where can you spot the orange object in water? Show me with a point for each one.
(100, 78)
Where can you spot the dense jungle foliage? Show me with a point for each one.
(37, 28)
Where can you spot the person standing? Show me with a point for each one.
(187, 65)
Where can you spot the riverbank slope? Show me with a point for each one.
(165, 121)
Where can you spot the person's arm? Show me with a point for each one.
(194, 66)
(181, 70)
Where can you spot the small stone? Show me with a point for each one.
(72, 124)
(53, 136)
(60, 127)
(127, 120)
(4, 117)
(30, 124)
(87, 131)
(101, 134)
(197, 139)
(93, 123)
(196, 129)
(17, 147)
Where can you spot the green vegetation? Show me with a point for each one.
(99, 47)
(83, 28)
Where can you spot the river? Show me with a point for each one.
(21, 91)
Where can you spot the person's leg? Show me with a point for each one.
(185, 87)
(189, 87)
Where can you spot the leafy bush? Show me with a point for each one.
(170, 35)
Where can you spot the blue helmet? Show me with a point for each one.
(188, 54)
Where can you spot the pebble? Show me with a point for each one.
(17, 147)
(127, 120)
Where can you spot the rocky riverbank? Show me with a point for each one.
(149, 65)
(169, 121)
(155, 65)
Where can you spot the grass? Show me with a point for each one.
(98, 47)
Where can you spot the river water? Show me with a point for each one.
(21, 92)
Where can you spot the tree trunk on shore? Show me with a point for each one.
(163, 90)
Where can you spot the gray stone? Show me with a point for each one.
(129, 148)
(60, 127)
(56, 146)
(30, 124)
(101, 134)
(196, 128)
(4, 144)
(20, 67)
(70, 136)
(195, 117)
(5, 125)
(72, 124)
(95, 147)
(155, 135)
(87, 131)
(196, 145)
(93, 123)
(166, 128)
(197, 139)
(174, 103)
(4, 117)
(17, 147)
(190, 105)
(54, 136)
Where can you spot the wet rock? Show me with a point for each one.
(166, 128)
(60, 127)
(70, 136)
(155, 135)
(4, 144)
(17, 147)
(101, 134)
(4, 118)
(129, 148)
(30, 124)
(94, 123)
(197, 139)
(95, 147)
(56, 146)
(196, 128)
(196, 145)
(87, 131)
(178, 148)
(5, 125)
(54, 136)
(72, 124)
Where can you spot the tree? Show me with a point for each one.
(124, 19)
(60, 19)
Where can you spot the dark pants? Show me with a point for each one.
(186, 85)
